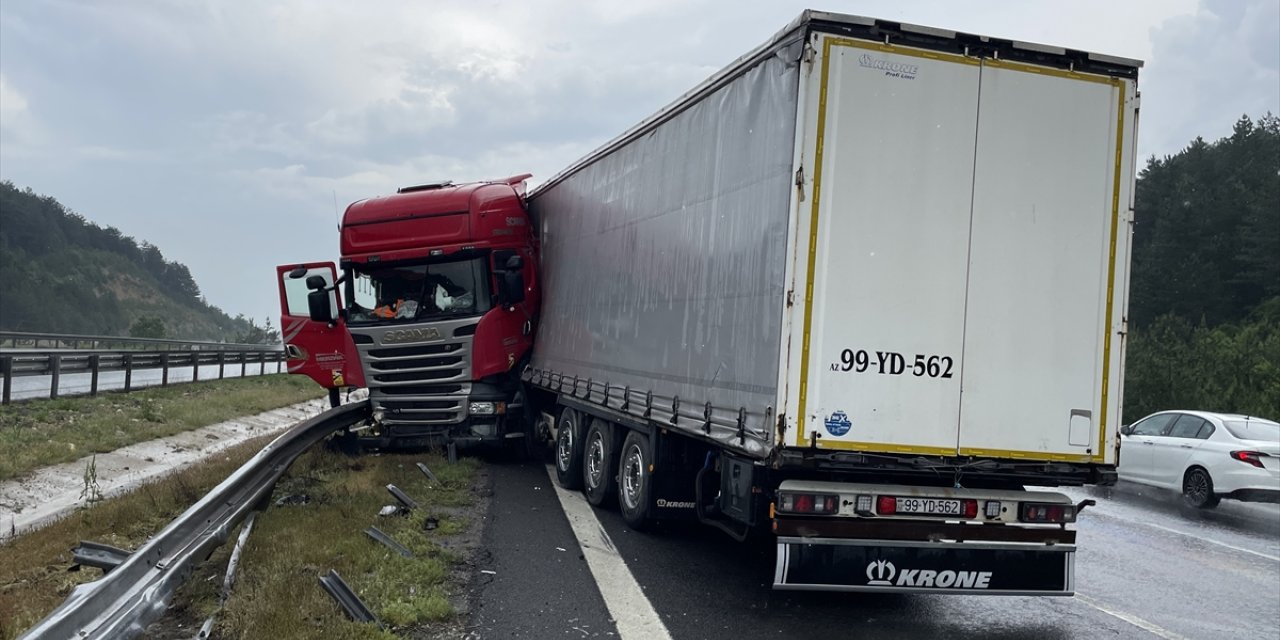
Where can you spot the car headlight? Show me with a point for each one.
(482, 409)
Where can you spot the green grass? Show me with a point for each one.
(39, 433)
(278, 594)
(33, 568)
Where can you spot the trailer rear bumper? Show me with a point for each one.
(903, 566)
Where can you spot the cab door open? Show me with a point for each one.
(322, 351)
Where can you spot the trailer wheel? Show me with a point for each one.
(635, 480)
(599, 466)
(569, 450)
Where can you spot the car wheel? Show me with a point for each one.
(635, 481)
(1197, 489)
(569, 450)
(599, 473)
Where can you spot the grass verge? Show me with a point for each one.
(278, 594)
(39, 433)
(34, 575)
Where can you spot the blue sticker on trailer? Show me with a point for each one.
(838, 423)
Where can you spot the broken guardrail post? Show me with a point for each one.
(96, 554)
(346, 598)
(422, 466)
(388, 541)
(409, 503)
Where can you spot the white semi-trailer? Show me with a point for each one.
(857, 290)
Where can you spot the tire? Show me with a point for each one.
(568, 450)
(1197, 489)
(635, 482)
(599, 464)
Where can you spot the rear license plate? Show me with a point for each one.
(928, 506)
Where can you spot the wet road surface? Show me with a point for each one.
(1146, 567)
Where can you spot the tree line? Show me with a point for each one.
(1204, 321)
(61, 273)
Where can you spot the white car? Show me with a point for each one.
(1207, 456)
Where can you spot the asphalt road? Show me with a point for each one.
(1147, 567)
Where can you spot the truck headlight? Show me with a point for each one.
(482, 409)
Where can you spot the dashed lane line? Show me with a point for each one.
(631, 611)
(1130, 618)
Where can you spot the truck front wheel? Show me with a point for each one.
(569, 450)
(635, 483)
(599, 465)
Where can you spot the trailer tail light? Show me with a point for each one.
(970, 509)
(1249, 457)
(862, 505)
(808, 503)
(993, 509)
(1047, 513)
(886, 505)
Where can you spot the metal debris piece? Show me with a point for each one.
(488, 572)
(381, 536)
(409, 503)
(430, 523)
(297, 498)
(427, 472)
(389, 510)
(230, 578)
(102, 556)
(346, 598)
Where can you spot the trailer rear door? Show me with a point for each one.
(963, 240)
(894, 185)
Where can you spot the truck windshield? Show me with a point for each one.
(408, 292)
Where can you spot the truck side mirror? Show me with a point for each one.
(514, 263)
(316, 283)
(318, 303)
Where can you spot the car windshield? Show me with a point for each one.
(1264, 430)
(409, 292)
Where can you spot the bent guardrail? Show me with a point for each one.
(122, 603)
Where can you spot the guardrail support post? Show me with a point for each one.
(243, 358)
(195, 366)
(55, 372)
(164, 367)
(128, 372)
(262, 363)
(94, 361)
(6, 368)
(222, 363)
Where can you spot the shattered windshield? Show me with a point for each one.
(408, 292)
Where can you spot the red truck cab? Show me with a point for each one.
(441, 301)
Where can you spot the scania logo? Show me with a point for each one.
(882, 573)
(396, 336)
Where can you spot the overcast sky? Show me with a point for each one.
(224, 132)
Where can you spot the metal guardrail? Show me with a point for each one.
(122, 603)
(56, 363)
(38, 341)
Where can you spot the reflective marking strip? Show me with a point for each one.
(1130, 618)
(632, 612)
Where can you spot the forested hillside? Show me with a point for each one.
(1205, 292)
(60, 273)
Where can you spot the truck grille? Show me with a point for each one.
(420, 384)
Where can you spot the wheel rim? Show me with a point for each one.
(564, 446)
(632, 477)
(595, 460)
(1197, 487)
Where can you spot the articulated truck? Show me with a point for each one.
(863, 291)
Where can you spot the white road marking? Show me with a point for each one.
(632, 612)
(1209, 540)
(1130, 618)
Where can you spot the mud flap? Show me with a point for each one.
(829, 564)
